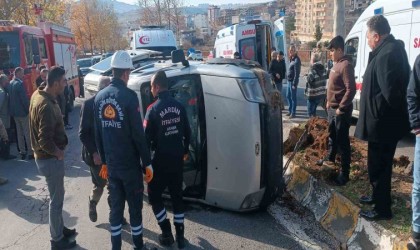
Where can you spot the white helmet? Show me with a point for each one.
(121, 60)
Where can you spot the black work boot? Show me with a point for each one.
(93, 215)
(179, 228)
(166, 238)
(5, 151)
(64, 243)
(414, 241)
(342, 179)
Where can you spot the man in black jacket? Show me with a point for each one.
(413, 99)
(168, 135)
(383, 118)
(90, 153)
(122, 144)
(277, 69)
(293, 81)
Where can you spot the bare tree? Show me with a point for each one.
(339, 18)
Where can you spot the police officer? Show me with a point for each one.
(168, 134)
(121, 144)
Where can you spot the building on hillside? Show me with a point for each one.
(226, 16)
(309, 13)
(213, 13)
(201, 21)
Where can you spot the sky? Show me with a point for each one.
(215, 2)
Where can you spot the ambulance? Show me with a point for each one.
(253, 41)
(155, 38)
(404, 19)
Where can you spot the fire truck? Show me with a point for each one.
(29, 47)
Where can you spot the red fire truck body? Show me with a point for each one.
(30, 47)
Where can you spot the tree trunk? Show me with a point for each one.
(339, 18)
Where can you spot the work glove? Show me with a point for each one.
(104, 172)
(148, 176)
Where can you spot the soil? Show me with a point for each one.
(314, 147)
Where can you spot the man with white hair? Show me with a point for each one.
(89, 151)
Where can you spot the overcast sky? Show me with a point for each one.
(217, 2)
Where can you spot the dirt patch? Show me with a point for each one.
(314, 147)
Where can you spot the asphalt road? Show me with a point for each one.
(24, 214)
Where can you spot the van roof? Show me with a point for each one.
(222, 69)
(388, 6)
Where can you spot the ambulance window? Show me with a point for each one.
(43, 48)
(247, 48)
(351, 48)
(27, 40)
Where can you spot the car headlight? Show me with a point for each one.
(251, 90)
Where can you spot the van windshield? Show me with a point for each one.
(9, 50)
(103, 65)
(166, 50)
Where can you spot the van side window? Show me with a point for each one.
(27, 41)
(43, 48)
(247, 48)
(351, 49)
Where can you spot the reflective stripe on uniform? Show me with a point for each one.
(161, 216)
(179, 218)
(116, 233)
(116, 227)
(137, 230)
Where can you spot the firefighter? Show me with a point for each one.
(121, 144)
(168, 135)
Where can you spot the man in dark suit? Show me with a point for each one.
(89, 151)
(383, 118)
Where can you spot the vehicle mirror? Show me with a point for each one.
(37, 59)
(177, 56)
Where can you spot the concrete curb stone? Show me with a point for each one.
(337, 214)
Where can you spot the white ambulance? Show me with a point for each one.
(404, 19)
(253, 41)
(155, 38)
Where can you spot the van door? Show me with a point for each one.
(188, 91)
(353, 50)
(247, 48)
(263, 37)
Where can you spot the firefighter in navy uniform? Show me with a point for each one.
(168, 134)
(121, 144)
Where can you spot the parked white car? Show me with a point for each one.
(197, 56)
(103, 68)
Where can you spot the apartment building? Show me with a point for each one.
(309, 13)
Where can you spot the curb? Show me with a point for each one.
(337, 214)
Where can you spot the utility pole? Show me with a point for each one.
(339, 18)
